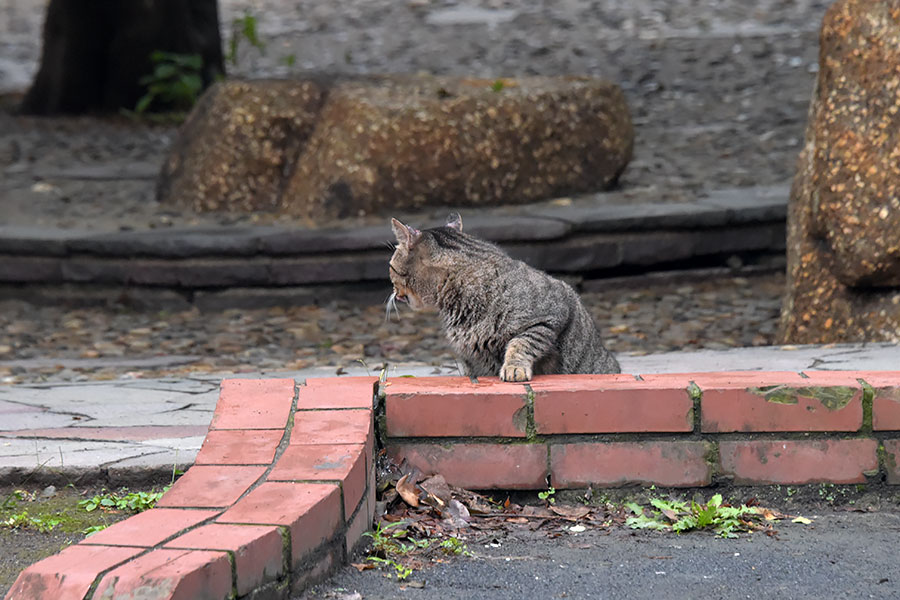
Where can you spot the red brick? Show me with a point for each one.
(315, 570)
(69, 574)
(239, 447)
(344, 463)
(454, 406)
(886, 404)
(170, 575)
(359, 523)
(479, 466)
(798, 462)
(742, 379)
(258, 550)
(332, 427)
(892, 461)
(610, 403)
(149, 527)
(750, 406)
(337, 392)
(211, 486)
(676, 464)
(254, 404)
(312, 512)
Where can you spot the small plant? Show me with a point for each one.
(175, 83)
(497, 86)
(23, 521)
(394, 542)
(680, 516)
(401, 571)
(134, 502)
(547, 495)
(13, 498)
(244, 28)
(89, 531)
(455, 546)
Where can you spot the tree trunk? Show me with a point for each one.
(96, 51)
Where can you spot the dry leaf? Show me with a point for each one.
(571, 512)
(801, 520)
(457, 514)
(518, 520)
(669, 514)
(408, 491)
(438, 491)
(363, 566)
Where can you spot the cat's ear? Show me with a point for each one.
(406, 235)
(454, 221)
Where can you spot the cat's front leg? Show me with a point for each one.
(518, 361)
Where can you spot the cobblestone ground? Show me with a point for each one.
(36, 342)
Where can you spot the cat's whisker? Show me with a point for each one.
(391, 305)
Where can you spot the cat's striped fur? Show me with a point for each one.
(501, 316)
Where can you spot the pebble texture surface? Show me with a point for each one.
(412, 142)
(844, 216)
(396, 142)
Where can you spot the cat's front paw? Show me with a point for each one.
(515, 373)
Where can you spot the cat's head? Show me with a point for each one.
(418, 262)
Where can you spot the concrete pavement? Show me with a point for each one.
(130, 431)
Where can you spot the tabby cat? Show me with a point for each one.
(501, 316)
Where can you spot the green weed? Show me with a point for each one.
(175, 83)
(680, 516)
(244, 28)
(455, 546)
(134, 502)
(548, 495)
(23, 520)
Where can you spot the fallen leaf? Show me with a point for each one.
(457, 514)
(669, 514)
(408, 491)
(577, 528)
(438, 491)
(518, 520)
(363, 566)
(801, 520)
(570, 512)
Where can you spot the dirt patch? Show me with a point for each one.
(36, 522)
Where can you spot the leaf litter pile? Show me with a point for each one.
(421, 520)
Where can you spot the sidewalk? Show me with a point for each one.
(133, 431)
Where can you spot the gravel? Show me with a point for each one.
(58, 344)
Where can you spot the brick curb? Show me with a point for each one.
(673, 430)
(278, 496)
(283, 487)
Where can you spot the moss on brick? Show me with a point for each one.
(868, 398)
(696, 396)
(530, 427)
(777, 394)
